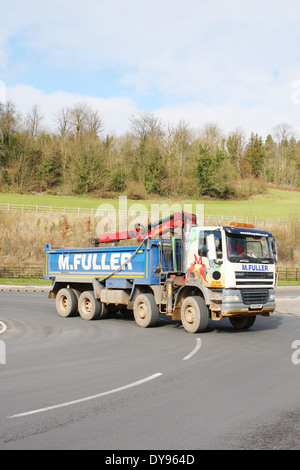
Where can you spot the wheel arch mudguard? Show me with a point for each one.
(189, 289)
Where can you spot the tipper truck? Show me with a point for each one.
(209, 272)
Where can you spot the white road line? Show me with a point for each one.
(3, 327)
(93, 397)
(198, 346)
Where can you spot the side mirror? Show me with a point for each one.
(211, 247)
(274, 249)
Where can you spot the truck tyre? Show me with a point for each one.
(89, 307)
(242, 323)
(66, 303)
(77, 293)
(194, 314)
(145, 311)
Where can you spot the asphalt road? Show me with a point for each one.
(108, 384)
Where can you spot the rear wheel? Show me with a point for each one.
(66, 302)
(91, 308)
(145, 310)
(242, 323)
(77, 293)
(194, 314)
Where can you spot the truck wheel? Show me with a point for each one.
(145, 310)
(89, 307)
(242, 323)
(66, 303)
(77, 293)
(194, 314)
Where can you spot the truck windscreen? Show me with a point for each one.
(251, 248)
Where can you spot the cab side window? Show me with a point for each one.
(202, 242)
(217, 234)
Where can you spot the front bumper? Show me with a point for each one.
(247, 302)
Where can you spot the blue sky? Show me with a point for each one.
(235, 63)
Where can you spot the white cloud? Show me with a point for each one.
(114, 112)
(280, 107)
(230, 62)
(137, 33)
(260, 119)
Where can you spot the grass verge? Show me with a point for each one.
(24, 282)
(289, 282)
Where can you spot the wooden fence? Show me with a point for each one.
(208, 218)
(289, 274)
(22, 271)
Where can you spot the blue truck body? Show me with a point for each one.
(84, 265)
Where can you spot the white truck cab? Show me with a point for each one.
(236, 264)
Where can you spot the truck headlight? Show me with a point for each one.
(231, 298)
(272, 297)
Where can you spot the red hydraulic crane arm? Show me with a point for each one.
(156, 229)
(178, 219)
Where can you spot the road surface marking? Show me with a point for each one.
(3, 327)
(93, 397)
(198, 346)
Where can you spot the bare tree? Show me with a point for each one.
(95, 124)
(146, 125)
(79, 118)
(84, 119)
(212, 134)
(34, 120)
(63, 121)
(177, 142)
(283, 133)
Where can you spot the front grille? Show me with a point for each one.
(250, 283)
(247, 275)
(248, 279)
(253, 296)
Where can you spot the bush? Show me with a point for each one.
(135, 190)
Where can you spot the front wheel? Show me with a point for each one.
(242, 323)
(145, 310)
(194, 314)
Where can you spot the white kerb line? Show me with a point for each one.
(92, 397)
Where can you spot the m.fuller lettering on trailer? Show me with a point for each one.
(94, 261)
